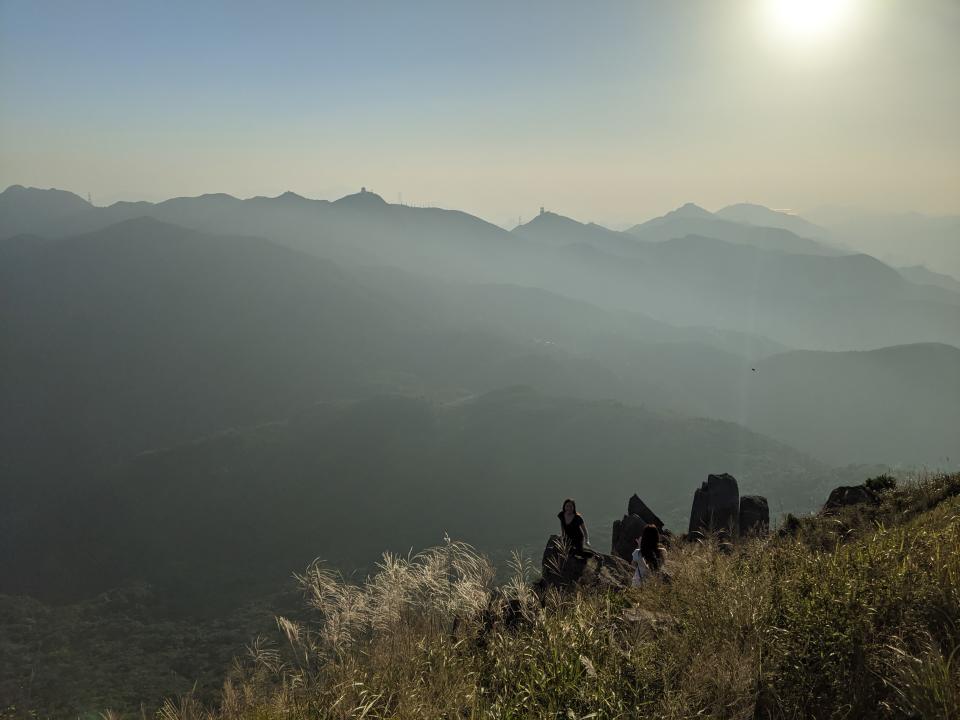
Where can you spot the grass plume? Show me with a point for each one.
(849, 615)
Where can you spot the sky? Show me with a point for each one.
(608, 111)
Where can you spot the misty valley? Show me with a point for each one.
(202, 395)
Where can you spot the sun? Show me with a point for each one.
(807, 21)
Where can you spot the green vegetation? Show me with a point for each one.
(122, 649)
(847, 615)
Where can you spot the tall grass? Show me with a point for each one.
(867, 625)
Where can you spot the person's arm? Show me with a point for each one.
(586, 535)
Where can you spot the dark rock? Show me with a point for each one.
(699, 513)
(558, 567)
(849, 495)
(625, 534)
(716, 505)
(590, 570)
(754, 515)
(627, 530)
(636, 506)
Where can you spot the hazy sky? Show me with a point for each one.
(606, 111)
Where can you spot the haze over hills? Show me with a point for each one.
(555, 230)
(753, 214)
(923, 276)
(814, 301)
(146, 334)
(893, 405)
(279, 328)
(897, 238)
(139, 334)
(349, 480)
(206, 393)
(692, 219)
(236, 368)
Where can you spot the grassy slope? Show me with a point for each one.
(855, 615)
(854, 612)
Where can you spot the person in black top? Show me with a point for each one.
(573, 527)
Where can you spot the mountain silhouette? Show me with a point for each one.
(691, 219)
(752, 214)
(555, 230)
(801, 300)
(362, 199)
(923, 276)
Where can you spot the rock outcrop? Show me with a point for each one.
(627, 530)
(754, 515)
(636, 506)
(624, 537)
(716, 506)
(592, 570)
(849, 495)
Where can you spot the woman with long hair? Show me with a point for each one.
(573, 528)
(649, 556)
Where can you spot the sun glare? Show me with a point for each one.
(807, 21)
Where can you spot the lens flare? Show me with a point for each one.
(808, 21)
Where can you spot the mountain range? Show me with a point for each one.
(177, 376)
(692, 219)
(816, 300)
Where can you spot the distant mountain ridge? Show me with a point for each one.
(902, 239)
(819, 301)
(924, 276)
(185, 333)
(691, 219)
(753, 214)
(556, 230)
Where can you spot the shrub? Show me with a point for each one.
(881, 483)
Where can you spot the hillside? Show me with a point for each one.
(923, 276)
(776, 629)
(847, 407)
(851, 612)
(146, 335)
(345, 481)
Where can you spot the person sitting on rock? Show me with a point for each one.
(573, 528)
(649, 556)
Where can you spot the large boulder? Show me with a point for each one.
(636, 506)
(754, 515)
(849, 495)
(591, 570)
(623, 540)
(716, 506)
(626, 531)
